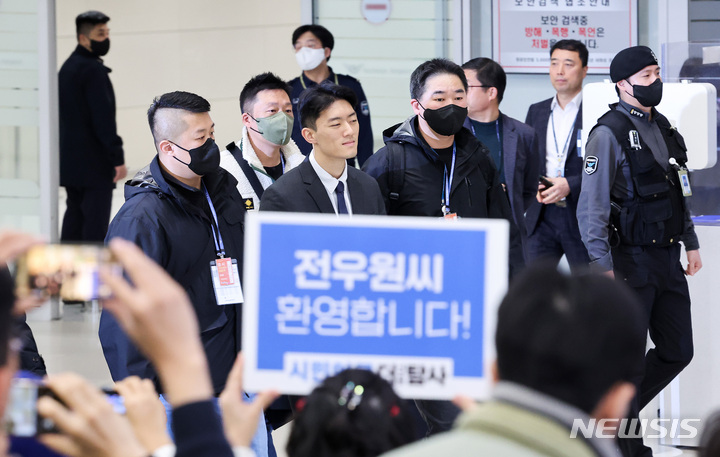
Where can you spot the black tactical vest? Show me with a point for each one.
(655, 216)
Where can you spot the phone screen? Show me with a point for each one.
(68, 271)
(116, 400)
(21, 416)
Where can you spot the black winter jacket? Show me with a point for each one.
(476, 190)
(90, 147)
(178, 236)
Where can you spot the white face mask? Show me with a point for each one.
(309, 58)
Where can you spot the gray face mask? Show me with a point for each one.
(277, 128)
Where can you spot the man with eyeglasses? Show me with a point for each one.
(434, 167)
(512, 144)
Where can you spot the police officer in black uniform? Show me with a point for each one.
(632, 216)
(313, 44)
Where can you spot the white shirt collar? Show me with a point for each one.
(574, 103)
(330, 182)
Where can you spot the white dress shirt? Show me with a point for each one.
(331, 183)
(558, 140)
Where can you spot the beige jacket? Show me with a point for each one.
(511, 425)
(291, 155)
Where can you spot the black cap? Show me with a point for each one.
(631, 60)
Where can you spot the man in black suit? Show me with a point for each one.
(91, 152)
(324, 183)
(551, 220)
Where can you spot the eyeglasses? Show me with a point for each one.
(481, 85)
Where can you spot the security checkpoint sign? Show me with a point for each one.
(413, 299)
(526, 30)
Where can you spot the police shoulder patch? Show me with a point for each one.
(591, 164)
(364, 108)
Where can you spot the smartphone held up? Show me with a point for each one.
(21, 416)
(68, 271)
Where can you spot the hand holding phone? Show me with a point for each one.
(88, 423)
(545, 182)
(22, 418)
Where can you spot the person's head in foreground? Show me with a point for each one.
(578, 339)
(354, 413)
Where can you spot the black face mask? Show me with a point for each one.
(204, 159)
(447, 120)
(648, 95)
(100, 48)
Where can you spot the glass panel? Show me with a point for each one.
(383, 55)
(19, 115)
(697, 62)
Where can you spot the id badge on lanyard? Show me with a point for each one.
(226, 281)
(684, 182)
(223, 270)
(447, 186)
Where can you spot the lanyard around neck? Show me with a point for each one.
(215, 227)
(560, 154)
(447, 184)
(302, 81)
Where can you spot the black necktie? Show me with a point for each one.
(340, 192)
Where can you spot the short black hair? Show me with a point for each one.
(572, 45)
(431, 68)
(316, 99)
(326, 38)
(335, 421)
(259, 83)
(489, 73)
(569, 337)
(323, 34)
(86, 21)
(180, 100)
